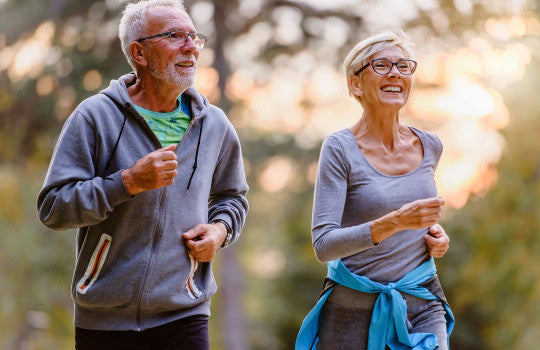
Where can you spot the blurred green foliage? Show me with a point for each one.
(491, 273)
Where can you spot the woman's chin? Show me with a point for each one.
(394, 103)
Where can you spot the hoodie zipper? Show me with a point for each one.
(155, 239)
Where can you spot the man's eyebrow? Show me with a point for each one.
(177, 29)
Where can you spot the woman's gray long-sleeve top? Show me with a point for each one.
(350, 193)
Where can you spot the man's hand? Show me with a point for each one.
(204, 240)
(437, 241)
(154, 170)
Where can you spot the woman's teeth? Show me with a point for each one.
(391, 89)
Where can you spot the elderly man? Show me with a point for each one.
(151, 174)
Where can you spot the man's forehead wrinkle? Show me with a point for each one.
(169, 18)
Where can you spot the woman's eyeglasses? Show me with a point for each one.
(383, 66)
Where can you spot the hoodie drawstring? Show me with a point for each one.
(196, 156)
(124, 110)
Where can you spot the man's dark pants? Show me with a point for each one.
(190, 333)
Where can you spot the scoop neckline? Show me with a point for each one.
(387, 175)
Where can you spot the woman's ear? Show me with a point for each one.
(138, 52)
(355, 85)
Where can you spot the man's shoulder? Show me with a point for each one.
(94, 101)
(215, 115)
(109, 99)
(202, 107)
(97, 106)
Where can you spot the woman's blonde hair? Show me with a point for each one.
(362, 52)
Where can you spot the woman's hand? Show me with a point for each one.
(422, 213)
(437, 241)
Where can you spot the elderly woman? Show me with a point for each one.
(375, 208)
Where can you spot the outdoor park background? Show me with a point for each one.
(274, 67)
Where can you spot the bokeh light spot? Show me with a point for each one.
(92, 80)
(44, 85)
(276, 174)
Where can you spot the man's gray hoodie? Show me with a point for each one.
(132, 269)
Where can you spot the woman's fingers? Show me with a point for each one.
(422, 213)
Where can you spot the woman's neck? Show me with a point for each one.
(381, 126)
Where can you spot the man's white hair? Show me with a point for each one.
(362, 52)
(133, 23)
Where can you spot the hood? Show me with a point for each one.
(117, 91)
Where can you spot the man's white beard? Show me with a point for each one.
(171, 76)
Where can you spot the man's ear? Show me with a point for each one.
(138, 53)
(355, 85)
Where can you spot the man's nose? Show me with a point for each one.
(189, 46)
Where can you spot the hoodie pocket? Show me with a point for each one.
(95, 264)
(192, 289)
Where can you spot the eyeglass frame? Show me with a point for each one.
(370, 63)
(188, 35)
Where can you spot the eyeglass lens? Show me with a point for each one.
(384, 66)
(180, 38)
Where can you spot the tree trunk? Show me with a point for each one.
(231, 289)
(231, 301)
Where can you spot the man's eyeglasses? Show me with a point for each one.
(179, 38)
(383, 66)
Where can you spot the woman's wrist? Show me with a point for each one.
(384, 227)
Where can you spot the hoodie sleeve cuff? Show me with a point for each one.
(226, 220)
(115, 189)
(365, 236)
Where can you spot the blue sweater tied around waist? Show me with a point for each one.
(388, 322)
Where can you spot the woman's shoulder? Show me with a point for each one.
(341, 137)
(335, 147)
(430, 142)
(429, 139)
(333, 158)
